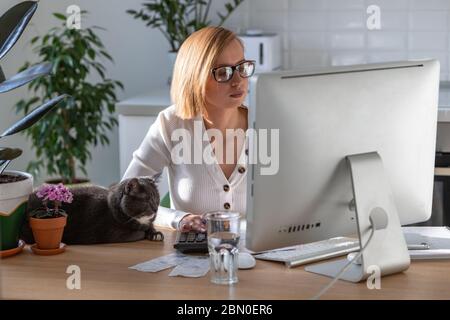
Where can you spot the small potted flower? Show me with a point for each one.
(47, 223)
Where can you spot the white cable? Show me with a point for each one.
(336, 278)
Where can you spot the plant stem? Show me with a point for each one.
(200, 13)
(71, 160)
(72, 169)
(166, 35)
(205, 17)
(5, 163)
(196, 13)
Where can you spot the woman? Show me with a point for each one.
(209, 85)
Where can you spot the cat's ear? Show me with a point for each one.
(157, 177)
(133, 184)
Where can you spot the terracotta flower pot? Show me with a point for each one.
(48, 232)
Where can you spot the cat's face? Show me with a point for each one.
(140, 197)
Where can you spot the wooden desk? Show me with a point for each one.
(105, 275)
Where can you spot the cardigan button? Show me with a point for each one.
(241, 170)
(226, 188)
(246, 152)
(226, 205)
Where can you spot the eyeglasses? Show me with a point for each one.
(223, 74)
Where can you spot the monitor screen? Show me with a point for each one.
(311, 121)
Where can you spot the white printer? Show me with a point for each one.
(264, 48)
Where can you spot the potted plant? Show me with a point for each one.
(16, 186)
(177, 19)
(47, 223)
(84, 121)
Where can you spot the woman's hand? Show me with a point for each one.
(193, 222)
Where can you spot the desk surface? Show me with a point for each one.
(105, 275)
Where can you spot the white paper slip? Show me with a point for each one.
(429, 254)
(185, 265)
(161, 263)
(435, 237)
(192, 268)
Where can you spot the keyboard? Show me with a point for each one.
(311, 252)
(187, 242)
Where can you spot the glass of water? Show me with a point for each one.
(223, 240)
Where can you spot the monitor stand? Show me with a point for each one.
(387, 252)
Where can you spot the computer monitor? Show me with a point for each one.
(322, 117)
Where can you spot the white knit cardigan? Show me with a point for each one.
(194, 188)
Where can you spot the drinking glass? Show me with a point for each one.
(223, 241)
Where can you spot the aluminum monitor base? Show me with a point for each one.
(387, 250)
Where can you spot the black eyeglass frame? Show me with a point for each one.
(233, 68)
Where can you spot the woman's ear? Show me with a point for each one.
(131, 185)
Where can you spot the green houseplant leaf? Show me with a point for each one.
(12, 24)
(3, 165)
(9, 153)
(178, 19)
(62, 139)
(26, 76)
(33, 116)
(2, 75)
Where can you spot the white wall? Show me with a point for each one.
(334, 32)
(314, 32)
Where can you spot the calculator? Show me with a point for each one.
(191, 241)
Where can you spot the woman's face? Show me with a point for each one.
(230, 94)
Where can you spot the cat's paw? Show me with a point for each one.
(155, 236)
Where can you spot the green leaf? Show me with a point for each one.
(45, 39)
(60, 16)
(25, 76)
(34, 116)
(69, 61)
(34, 39)
(91, 53)
(61, 140)
(105, 54)
(10, 153)
(99, 28)
(13, 22)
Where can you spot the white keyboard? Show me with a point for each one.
(311, 252)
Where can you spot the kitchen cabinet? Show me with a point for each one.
(136, 115)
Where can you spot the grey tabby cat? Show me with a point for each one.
(123, 213)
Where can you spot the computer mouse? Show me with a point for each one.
(352, 255)
(246, 260)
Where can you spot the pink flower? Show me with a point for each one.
(60, 193)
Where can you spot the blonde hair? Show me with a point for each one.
(196, 57)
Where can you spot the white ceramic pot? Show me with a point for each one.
(13, 205)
